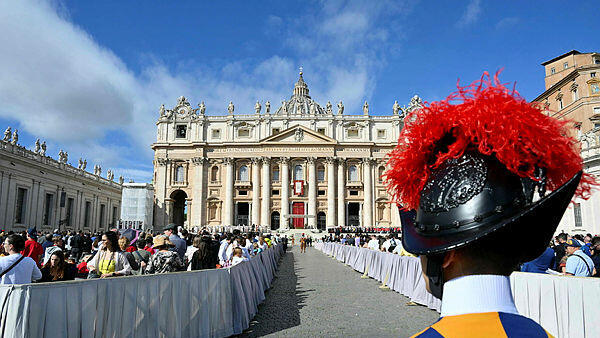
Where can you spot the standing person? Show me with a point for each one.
(58, 246)
(303, 244)
(77, 245)
(141, 256)
(58, 269)
(578, 263)
(203, 257)
(16, 268)
(164, 260)
(47, 242)
(189, 253)
(33, 249)
(470, 166)
(124, 245)
(179, 244)
(109, 261)
(560, 249)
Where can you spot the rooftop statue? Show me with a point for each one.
(396, 107)
(43, 152)
(37, 146)
(328, 108)
(340, 106)
(230, 107)
(257, 108)
(202, 108)
(267, 107)
(15, 137)
(366, 108)
(7, 134)
(162, 110)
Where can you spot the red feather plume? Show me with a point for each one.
(490, 118)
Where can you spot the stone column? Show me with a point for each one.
(198, 209)
(341, 193)
(330, 192)
(368, 194)
(228, 205)
(255, 191)
(266, 193)
(312, 192)
(284, 172)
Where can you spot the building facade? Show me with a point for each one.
(298, 166)
(573, 93)
(37, 190)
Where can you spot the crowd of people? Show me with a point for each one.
(575, 255)
(61, 256)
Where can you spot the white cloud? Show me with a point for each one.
(507, 22)
(471, 14)
(62, 86)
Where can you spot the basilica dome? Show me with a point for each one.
(300, 103)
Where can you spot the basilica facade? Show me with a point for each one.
(301, 165)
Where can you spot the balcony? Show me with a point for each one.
(356, 184)
(240, 183)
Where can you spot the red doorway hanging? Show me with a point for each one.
(298, 209)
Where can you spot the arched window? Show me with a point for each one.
(352, 173)
(179, 173)
(275, 175)
(214, 174)
(380, 174)
(321, 173)
(243, 174)
(298, 172)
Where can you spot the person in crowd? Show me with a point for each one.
(560, 249)
(124, 245)
(95, 244)
(47, 242)
(587, 245)
(578, 263)
(541, 264)
(203, 257)
(109, 261)
(164, 260)
(373, 243)
(189, 253)
(77, 243)
(238, 257)
(224, 246)
(33, 249)
(58, 269)
(148, 247)
(82, 267)
(596, 254)
(303, 244)
(58, 246)
(16, 268)
(179, 245)
(141, 256)
(261, 242)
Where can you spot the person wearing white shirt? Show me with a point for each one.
(25, 271)
(238, 257)
(223, 251)
(373, 243)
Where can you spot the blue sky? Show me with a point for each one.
(89, 76)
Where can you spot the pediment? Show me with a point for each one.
(298, 135)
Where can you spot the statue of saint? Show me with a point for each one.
(284, 107)
(257, 108)
(340, 108)
(121, 179)
(84, 165)
(43, 152)
(230, 107)
(312, 109)
(162, 110)
(7, 134)
(181, 100)
(202, 108)
(80, 163)
(328, 108)
(60, 155)
(396, 107)
(66, 157)
(366, 108)
(37, 146)
(267, 107)
(15, 137)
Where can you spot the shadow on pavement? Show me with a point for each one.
(281, 308)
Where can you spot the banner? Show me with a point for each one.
(298, 187)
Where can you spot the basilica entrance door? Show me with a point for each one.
(298, 209)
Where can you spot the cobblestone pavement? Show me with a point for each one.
(314, 295)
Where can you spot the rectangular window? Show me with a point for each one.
(216, 134)
(381, 133)
(577, 212)
(21, 205)
(552, 70)
(102, 214)
(560, 104)
(181, 131)
(593, 74)
(565, 65)
(275, 192)
(353, 192)
(86, 214)
(575, 95)
(243, 192)
(244, 132)
(48, 209)
(275, 175)
(69, 216)
(321, 193)
(275, 131)
(321, 131)
(352, 133)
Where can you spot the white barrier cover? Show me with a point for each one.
(206, 303)
(564, 306)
